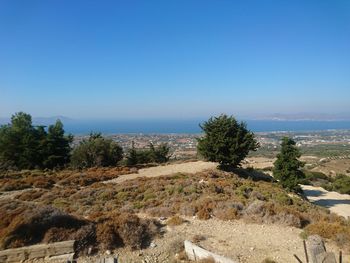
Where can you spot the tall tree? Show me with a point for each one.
(19, 142)
(226, 141)
(287, 166)
(57, 146)
(25, 146)
(132, 156)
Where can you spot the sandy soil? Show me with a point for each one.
(337, 203)
(333, 167)
(258, 162)
(242, 242)
(190, 167)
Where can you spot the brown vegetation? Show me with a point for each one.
(22, 224)
(218, 194)
(175, 221)
(46, 179)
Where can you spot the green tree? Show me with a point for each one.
(57, 146)
(20, 142)
(25, 146)
(96, 151)
(287, 166)
(131, 158)
(226, 141)
(160, 154)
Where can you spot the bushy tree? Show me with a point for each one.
(287, 166)
(161, 153)
(96, 151)
(226, 141)
(154, 154)
(24, 146)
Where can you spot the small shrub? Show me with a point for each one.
(198, 238)
(203, 214)
(330, 230)
(207, 260)
(175, 221)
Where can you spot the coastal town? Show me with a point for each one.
(183, 146)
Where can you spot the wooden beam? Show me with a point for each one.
(37, 251)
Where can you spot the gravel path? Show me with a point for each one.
(190, 167)
(337, 203)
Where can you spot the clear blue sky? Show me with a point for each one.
(176, 59)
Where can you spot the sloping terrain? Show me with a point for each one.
(335, 202)
(243, 206)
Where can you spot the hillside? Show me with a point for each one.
(96, 211)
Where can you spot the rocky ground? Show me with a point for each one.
(246, 243)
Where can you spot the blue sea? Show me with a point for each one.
(192, 126)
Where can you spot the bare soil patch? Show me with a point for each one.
(190, 167)
(335, 202)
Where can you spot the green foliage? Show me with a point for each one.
(226, 141)
(340, 184)
(161, 153)
(96, 151)
(158, 154)
(24, 146)
(132, 157)
(57, 146)
(287, 166)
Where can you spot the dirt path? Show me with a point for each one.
(337, 203)
(190, 167)
(240, 241)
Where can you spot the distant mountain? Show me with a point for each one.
(307, 117)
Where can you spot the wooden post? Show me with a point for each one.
(305, 251)
(299, 260)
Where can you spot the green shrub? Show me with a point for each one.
(96, 151)
(159, 154)
(340, 184)
(226, 141)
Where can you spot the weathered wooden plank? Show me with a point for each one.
(196, 253)
(37, 251)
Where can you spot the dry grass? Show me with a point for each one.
(175, 221)
(207, 260)
(335, 230)
(18, 180)
(218, 194)
(23, 224)
(198, 238)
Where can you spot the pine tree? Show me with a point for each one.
(57, 146)
(159, 154)
(20, 142)
(287, 166)
(132, 158)
(226, 141)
